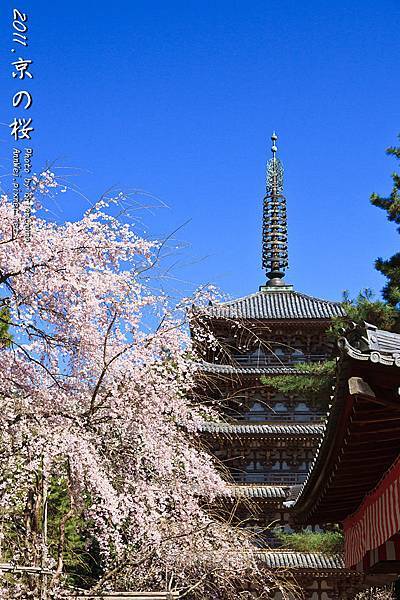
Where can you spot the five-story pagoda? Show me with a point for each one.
(265, 440)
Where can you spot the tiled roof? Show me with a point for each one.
(260, 491)
(302, 560)
(278, 430)
(129, 596)
(322, 495)
(232, 370)
(294, 491)
(273, 304)
(367, 343)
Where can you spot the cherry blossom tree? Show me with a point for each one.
(376, 594)
(100, 452)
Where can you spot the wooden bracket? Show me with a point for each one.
(357, 385)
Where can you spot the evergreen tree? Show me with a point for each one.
(391, 266)
(5, 336)
(365, 308)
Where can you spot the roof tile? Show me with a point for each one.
(260, 491)
(302, 560)
(264, 429)
(273, 304)
(233, 370)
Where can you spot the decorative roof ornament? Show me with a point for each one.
(274, 245)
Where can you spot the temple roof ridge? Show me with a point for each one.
(259, 490)
(284, 558)
(277, 303)
(234, 369)
(270, 290)
(272, 429)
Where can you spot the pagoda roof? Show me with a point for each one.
(303, 561)
(251, 371)
(276, 304)
(263, 429)
(275, 492)
(372, 344)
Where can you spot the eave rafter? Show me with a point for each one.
(362, 435)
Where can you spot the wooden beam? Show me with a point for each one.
(350, 485)
(355, 460)
(384, 402)
(357, 386)
(373, 431)
(385, 447)
(372, 408)
(370, 442)
(382, 420)
(349, 477)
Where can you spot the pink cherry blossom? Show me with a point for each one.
(93, 400)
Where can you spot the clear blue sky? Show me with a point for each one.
(179, 98)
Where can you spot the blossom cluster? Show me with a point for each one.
(94, 404)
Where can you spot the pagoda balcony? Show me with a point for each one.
(271, 477)
(272, 360)
(265, 539)
(280, 417)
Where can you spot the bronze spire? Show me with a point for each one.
(274, 245)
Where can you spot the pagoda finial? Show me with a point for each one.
(274, 247)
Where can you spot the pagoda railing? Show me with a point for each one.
(272, 360)
(280, 417)
(265, 539)
(270, 477)
(127, 596)
(271, 542)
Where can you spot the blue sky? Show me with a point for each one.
(179, 99)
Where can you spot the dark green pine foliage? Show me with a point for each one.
(365, 308)
(328, 542)
(313, 382)
(80, 553)
(5, 336)
(390, 267)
